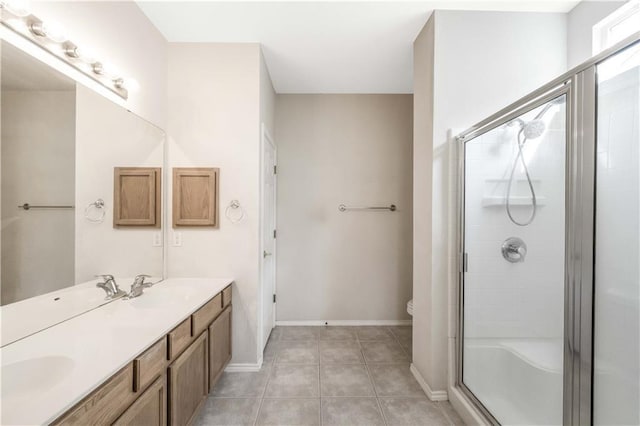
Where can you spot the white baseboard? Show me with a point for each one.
(439, 395)
(243, 367)
(344, 322)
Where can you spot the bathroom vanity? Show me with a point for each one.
(151, 360)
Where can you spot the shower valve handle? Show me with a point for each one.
(514, 250)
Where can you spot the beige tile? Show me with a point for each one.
(383, 352)
(402, 331)
(394, 380)
(299, 333)
(351, 412)
(451, 414)
(412, 411)
(240, 384)
(340, 352)
(293, 381)
(338, 333)
(373, 333)
(228, 411)
(345, 380)
(296, 411)
(297, 352)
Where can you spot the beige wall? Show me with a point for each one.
(214, 121)
(38, 158)
(356, 150)
(423, 81)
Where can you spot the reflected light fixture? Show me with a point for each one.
(50, 36)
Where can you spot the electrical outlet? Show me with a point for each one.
(157, 239)
(177, 239)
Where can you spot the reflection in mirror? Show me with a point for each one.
(38, 173)
(61, 145)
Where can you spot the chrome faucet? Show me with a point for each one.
(110, 287)
(137, 288)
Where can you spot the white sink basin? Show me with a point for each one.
(34, 376)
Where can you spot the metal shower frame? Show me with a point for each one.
(580, 86)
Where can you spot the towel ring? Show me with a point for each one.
(97, 204)
(234, 206)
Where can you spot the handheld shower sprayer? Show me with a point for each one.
(528, 130)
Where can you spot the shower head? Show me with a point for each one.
(533, 129)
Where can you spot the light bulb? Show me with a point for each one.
(16, 7)
(51, 30)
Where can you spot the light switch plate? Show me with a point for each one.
(157, 239)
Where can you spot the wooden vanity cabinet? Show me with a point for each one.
(219, 346)
(189, 382)
(150, 409)
(168, 383)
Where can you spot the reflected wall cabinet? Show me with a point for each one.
(195, 197)
(136, 196)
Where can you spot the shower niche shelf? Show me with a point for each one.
(496, 190)
(497, 201)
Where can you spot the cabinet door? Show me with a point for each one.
(150, 409)
(219, 345)
(188, 382)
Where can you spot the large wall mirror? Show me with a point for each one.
(63, 147)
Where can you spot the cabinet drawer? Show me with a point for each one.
(205, 315)
(149, 365)
(226, 297)
(179, 338)
(105, 404)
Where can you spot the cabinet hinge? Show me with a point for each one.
(274, 298)
(274, 234)
(275, 170)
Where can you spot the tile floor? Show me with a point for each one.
(328, 376)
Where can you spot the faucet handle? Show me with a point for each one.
(139, 280)
(106, 277)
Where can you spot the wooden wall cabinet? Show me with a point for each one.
(195, 197)
(150, 409)
(137, 196)
(189, 382)
(219, 346)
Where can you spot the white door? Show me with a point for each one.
(268, 269)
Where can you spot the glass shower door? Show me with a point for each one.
(513, 285)
(616, 378)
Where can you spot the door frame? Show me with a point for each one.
(266, 138)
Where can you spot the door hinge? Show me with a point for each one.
(275, 170)
(274, 233)
(274, 298)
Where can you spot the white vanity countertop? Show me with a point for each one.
(69, 360)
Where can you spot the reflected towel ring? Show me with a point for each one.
(234, 211)
(98, 204)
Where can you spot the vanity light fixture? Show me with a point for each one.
(52, 31)
(50, 36)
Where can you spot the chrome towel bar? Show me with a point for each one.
(27, 206)
(344, 208)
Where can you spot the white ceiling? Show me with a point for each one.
(323, 47)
